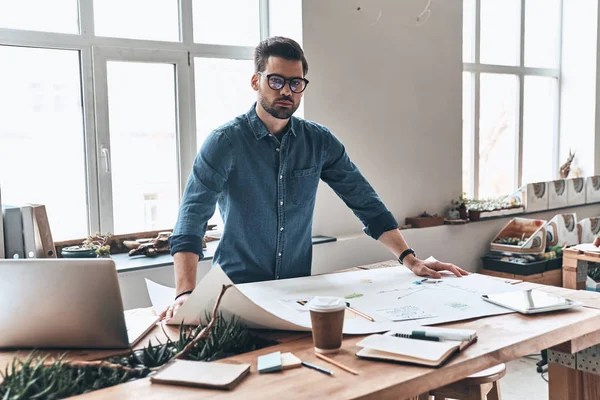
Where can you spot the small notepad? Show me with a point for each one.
(415, 351)
(214, 375)
(289, 361)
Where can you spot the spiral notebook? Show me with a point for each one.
(414, 351)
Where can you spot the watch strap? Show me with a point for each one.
(404, 254)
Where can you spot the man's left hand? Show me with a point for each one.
(430, 268)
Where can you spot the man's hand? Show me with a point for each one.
(430, 268)
(169, 312)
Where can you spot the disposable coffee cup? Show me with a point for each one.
(327, 319)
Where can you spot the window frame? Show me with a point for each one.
(476, 68)
(95, 49)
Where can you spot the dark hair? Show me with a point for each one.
(278, 46)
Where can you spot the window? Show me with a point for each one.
(511, 90)
(40, 15)
(103, 112)
(42, 157)
(240, 27)
(143, 144)
(137, 19)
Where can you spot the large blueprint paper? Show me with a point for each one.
(391, 296)
(234, 303)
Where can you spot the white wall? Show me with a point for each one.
(578, 84)
(391, 91)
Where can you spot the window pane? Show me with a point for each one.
(539, 114)
(40, 15)
(542, 29)
(137, 19)
(285, 19)
(223, 92)
(41, 134)
(468, 30)
(233, 22)
(497, 134)
(467, 120)
(143, 125)
(500, 32)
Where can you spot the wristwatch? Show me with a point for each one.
(405, 253)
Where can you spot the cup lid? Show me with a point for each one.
(326, 304)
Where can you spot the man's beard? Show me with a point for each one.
(276, 111)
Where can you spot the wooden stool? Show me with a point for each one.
(480, 386)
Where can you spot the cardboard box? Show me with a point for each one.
(557, 193)
(562, 230)
(588, 229)
(592, 189)
(536, 196)
(532, 231)
(575, 191)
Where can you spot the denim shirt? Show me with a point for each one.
(266, 192)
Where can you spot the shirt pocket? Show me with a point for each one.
(304, 185)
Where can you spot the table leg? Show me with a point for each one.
(572, 384)
(574, 273)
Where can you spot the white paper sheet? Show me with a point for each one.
(234, 303)
(453, 299)
(269, 305)
(160, 296)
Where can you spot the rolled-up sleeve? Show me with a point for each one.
(340, 173)
(206, 181)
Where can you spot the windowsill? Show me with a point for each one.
(534, 212)
(125, 263)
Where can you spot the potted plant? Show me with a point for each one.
(475, 208)
(460, 204)
(424, 220)
(494, 206)
(91, 247)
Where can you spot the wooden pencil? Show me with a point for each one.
(337, 364)
(360, 313)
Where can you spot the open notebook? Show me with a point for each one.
(415, 351)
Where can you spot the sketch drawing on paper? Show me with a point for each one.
(404, 313)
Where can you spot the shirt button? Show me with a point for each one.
(281, 203)
(279, 254)
(281, 228)
(277, 277)
(280, 176)
(277, 149)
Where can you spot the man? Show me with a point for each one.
(263, 169)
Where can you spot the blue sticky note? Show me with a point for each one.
(269, 363)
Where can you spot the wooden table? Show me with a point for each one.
(501, 339)
(575, 267)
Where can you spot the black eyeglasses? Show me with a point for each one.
(277, 82)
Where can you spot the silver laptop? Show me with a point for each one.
(63, 303)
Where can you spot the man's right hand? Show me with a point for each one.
(172, 309)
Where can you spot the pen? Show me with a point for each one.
(365, 316)
(417, 336)
(445, 334)
(316, 367)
